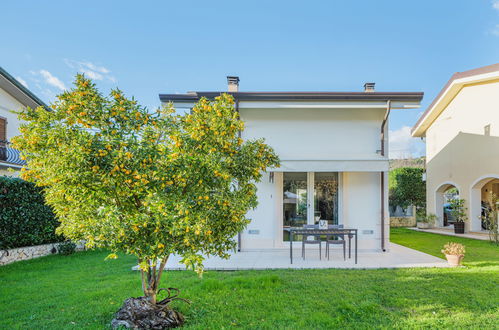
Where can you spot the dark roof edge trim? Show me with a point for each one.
(299, 96)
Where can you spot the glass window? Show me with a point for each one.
(326, 197)
(294, 201)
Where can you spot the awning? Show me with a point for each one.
(381, 165)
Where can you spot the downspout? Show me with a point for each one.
(383, 124)
(239, 135)
(382, 174)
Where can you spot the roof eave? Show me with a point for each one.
(450, 90)
(298, 96)
(19, 91)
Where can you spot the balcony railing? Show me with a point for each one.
(9, 154)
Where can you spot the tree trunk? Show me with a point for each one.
(146, 312)
(151, 296)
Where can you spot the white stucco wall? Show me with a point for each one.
(297, 134)
(458, 149)
(362, 208)
(473, 108)
(7, 104)
(319, 134)
(263, 229)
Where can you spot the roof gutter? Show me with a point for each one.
(299, 96)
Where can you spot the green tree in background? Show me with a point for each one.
(407, 188)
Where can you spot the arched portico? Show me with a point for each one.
(440, 200)
(477, 195)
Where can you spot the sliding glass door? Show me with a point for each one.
(309, 197)
(326, 197)
(294, 200)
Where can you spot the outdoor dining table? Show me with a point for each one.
(323, 232)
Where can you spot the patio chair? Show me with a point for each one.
(339, 241)
(305, 240)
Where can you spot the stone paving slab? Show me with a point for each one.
(397, 257)
(450, 232)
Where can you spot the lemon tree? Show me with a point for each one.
(147, 184)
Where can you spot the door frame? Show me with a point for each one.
(279, 184)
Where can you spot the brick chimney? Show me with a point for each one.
(369, 87)
(233, 83)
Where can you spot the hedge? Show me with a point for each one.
(25, 219)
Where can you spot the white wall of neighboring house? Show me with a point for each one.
(473, 108)
(7, 104)
(462, 146)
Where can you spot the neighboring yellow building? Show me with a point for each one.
(461, 128)
(13, 97)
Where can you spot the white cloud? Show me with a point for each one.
(22, 81)
(495, 30)
(403, 145)
(91, 70)
(495, 4)
(52, 80)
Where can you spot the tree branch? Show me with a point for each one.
(143, 279)
(160, 272)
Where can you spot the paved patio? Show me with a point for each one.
(449, 231)
(398, 257)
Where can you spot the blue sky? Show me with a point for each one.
(150, 47)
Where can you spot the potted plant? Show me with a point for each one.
(426, 221)
(454, 252)
(458, 211)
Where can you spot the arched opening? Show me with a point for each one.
(483, 191)
(444, 194)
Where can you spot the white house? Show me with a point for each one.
(13, 97)
(461, 128)
(334, 159)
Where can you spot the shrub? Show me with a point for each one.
(455, 249)
(25, 219)
(66, 248)
(458, 210)
(428, 218)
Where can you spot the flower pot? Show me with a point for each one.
(423, 225)
(454, 260)
(459, 227)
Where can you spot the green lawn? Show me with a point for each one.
(478, 253)
(83, 291)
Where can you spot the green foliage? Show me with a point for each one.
(25, 219)
(148, 184)
(458, 210)
(66, 248)
(491, 220)
(407, 187)
(428, 218)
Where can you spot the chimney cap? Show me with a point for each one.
(369, 87)
(233, 80)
